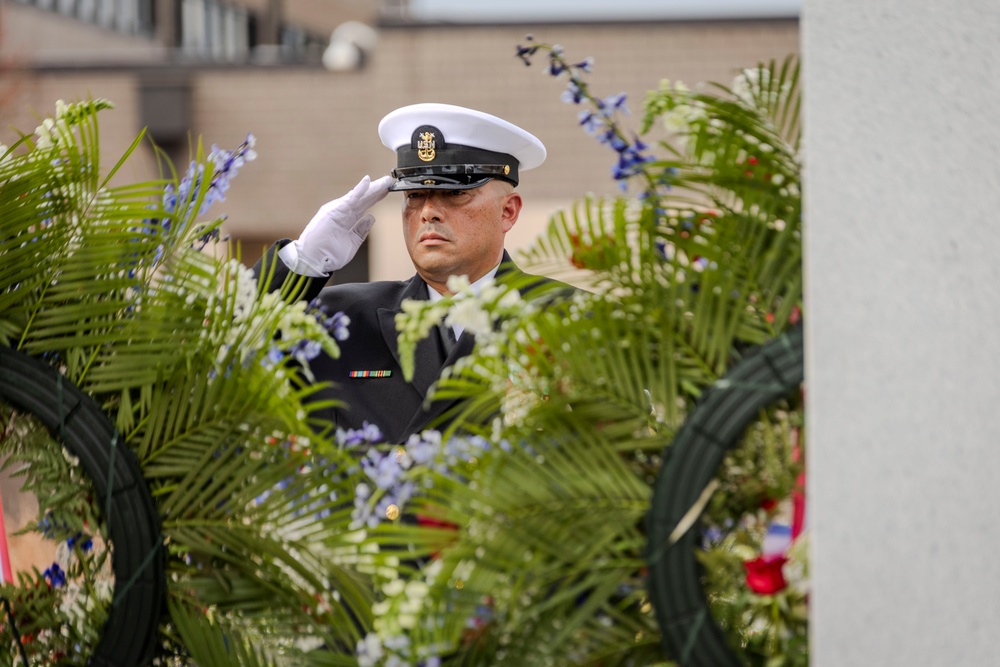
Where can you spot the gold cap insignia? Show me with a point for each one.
(425, 146)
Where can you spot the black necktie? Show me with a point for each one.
(447, 337)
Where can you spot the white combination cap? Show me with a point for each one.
(447, 147)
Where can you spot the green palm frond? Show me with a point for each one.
(202, 376)
(211, 642)
(548, 553)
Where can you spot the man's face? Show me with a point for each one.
(458, 232)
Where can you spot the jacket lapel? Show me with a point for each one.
(427, 357)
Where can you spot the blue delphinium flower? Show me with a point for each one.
(386, 471)
(422, 449)
(382, 468)
(599, 121)
(52, 527)
(368, 434)
(306, 350)
(630, 162)
(525, 52)
(55, 575)
(225, 165)
(612, 139)
(573, 93)
(274, 356)
(612, 103)
(85, 545)
(590, 121)
(336, 324)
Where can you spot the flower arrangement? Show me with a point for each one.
(77, 586)
(692, 267)
(204, 380)
(755, 549)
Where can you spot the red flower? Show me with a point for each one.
(795, 316)
(764, 575)
(435, 523)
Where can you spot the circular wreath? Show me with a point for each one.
(129, 635)
(769, 373)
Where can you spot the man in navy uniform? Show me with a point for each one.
(456, 169)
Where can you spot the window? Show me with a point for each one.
(214, 31)
(134, 17)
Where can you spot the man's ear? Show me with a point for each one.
(511, 210)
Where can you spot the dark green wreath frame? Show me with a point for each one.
(129, 635)
(768, 373)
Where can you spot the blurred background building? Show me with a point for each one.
(312, 78)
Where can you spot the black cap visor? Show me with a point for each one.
(446, 177)
(441, 166)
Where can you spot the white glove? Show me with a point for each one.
(335, 233)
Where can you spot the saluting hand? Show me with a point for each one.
(338, 229)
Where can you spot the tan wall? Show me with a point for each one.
(32, 35)
(322, 16)
(36, 98)
(20, 510)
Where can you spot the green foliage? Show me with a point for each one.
(204, 379)
(698, 261)
(534, 554)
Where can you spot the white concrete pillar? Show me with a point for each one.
(902, 243)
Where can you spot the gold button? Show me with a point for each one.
(391, 512)
(506, 169)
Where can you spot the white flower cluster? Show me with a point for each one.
(748, 84)
(243, 288)
(475, 309)
(49, 132)
(681, 116)
(752, 86)
(52, 130)
(396, 615)
(81, 599)
(477, 312)
(243, 324)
